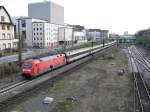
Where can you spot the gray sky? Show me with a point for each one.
(115, 15)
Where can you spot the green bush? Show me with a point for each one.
(144, 41)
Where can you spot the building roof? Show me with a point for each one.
(77, 27)
(93, 30)
(45, 2)
(11, 23)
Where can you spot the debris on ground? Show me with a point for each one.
(121, 72)
(48, 100)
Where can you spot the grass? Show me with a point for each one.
(63, 106)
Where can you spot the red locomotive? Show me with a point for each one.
(34, 67)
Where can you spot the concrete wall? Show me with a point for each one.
(39, 10)
(57, 13)
(65, 34)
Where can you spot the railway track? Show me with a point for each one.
(142, 103)
(9, 87)
(14, 89)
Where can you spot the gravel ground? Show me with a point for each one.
(93, 87)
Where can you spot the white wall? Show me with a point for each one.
(65, 34)
(3, 13)
(7, 34)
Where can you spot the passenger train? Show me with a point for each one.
(34, 67)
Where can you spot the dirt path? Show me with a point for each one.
(92, 87)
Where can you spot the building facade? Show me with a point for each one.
(104, 34)
(79, 34)
(25, 27)
(80, 37)
(65, 34)
(47, 11)
(94, 34)
(97, 34)
(7, 34)
(44, 34)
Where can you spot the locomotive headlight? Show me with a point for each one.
(26, 70)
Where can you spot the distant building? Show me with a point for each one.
(144, 33)
(104, 34)
(97, 34)
(65, 34)
(45, 34)
(94, 34)
(79, 34)
(47, 11)
(7, 37)
(114, 36)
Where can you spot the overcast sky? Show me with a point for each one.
(114, 15)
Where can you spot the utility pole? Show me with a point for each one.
(103, 42)
(19, 44)
(72, 35)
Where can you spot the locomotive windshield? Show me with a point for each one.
(27, 65)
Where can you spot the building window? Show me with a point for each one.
(3, 35)
(34, 38)
(34, 29)
(34, 33)
(40, 33)
(3, 27)
(9, 45)
(37, 38)
(8, 36)
(41, 38)
(37, 33)
(8, 27)
(2, 18)
(23, 23)
(37, 29)
(4, 46)
(40, 28)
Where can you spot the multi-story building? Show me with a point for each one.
(44, 34)
(25, 27)
(7, 37)
(48, 11)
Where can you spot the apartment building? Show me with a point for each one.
(7, 34)
(44, 34)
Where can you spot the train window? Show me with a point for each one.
(27, 65)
